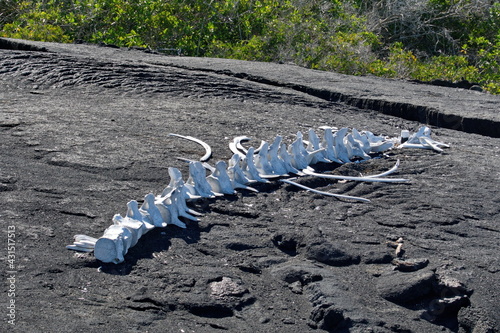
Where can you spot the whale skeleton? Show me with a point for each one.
(246, 167)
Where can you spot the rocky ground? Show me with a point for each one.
(82, 133)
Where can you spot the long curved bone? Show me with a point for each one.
(236, 147)
(254, 166)
(342, 196)
(386, 173)
(208, 150)
(359, 179)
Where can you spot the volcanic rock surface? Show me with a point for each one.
(84, 129)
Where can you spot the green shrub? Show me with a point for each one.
(36, 23)
(425, 40)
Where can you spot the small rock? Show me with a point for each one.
(326, 317)
(377, 257)
(292, 273)
(330, 254)
(296, 287)
(227, 287)
(453, 285)
(402, 288)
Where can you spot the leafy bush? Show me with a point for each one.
(420, 39)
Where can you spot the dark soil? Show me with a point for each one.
(82, 134)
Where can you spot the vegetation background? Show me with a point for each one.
(450, 40)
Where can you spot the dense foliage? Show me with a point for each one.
(418, 39)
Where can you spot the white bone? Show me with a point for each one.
(386, 173)
(75, 247)
(219, 179)
(175, 180)
(422, 131)
(150, 212)
(325, 127)
(172, 205)
(324, 193)
(136, 228)
(329, 145)
(422, 139)
(263, 164)
(179, 199)
(113, 244)
(262, 142)
(234, 149)
(314, 145)
(208, 150)
(85, 239)
(298, 153)
(249, 169)
(238, 178)
(354, 148)
(134, 212)
(426, 141)
(197, 179)
(359, 179)
(405, 134)
(274, 160)
(238, 140)
(381, 146)
(160, 203)
(83, 243)
(362, 140)
(278, 165)
(340, 145)
(287, 160)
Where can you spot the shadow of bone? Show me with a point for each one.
(156, 241)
